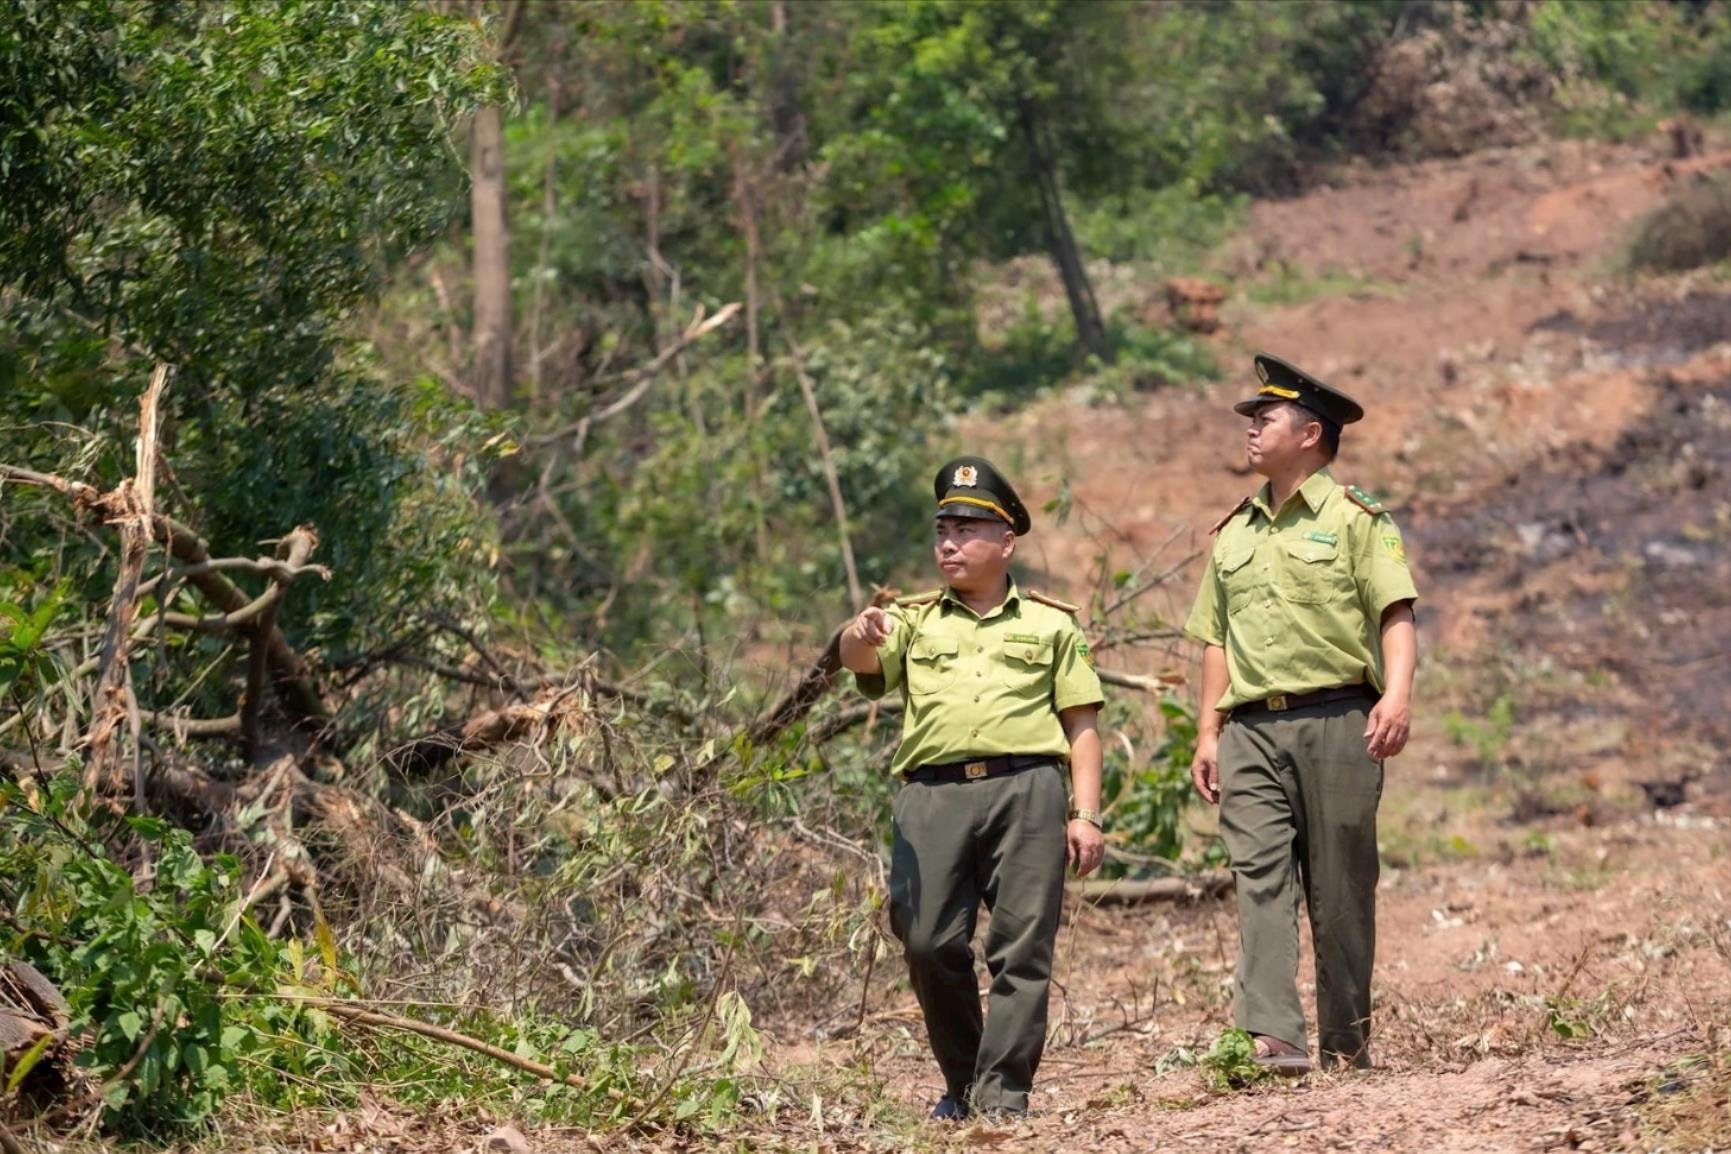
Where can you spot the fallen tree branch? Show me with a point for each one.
(837, 505)
(184, 727)
(640, 378)
(1211, 884)
(1135, 680)
(484, 731)
(350, 1012)
(817, 680)
(129, 508)
(834, 726)
(291, 677)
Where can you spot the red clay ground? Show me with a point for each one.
(1555, 960)
(1555, 947)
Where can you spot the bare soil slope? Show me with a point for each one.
(1555, 956)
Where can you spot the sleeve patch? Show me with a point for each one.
(1085, 653)
(1394, 547)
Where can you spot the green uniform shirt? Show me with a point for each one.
(1296, 597)
(980, 686)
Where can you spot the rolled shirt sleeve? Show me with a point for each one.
(1207, 620)
(892, 656)
(1380, 567)
(1074, 681)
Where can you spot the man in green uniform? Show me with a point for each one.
(998, 692)
(1305, 613)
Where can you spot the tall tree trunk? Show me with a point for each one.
(491, 379)
(492, 240)
(1061, 243)
(786, 116)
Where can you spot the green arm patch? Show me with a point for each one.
(1394, 547)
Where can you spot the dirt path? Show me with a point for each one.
(1555, 955)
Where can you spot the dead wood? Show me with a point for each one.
(640, 378)
(1121, 892)
(360, 1015)
(488, 730)
(291, 677)
(812, 686)
(129, 507)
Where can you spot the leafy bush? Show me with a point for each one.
(1146, 805)
(1230, 1064)
(172, 990)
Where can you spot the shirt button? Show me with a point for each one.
(1268, 641)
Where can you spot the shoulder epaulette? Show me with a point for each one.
(919, 599)
(1363, 500)
(1036, 595)
(1236, 509)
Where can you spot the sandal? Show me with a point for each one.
(1282, 1058)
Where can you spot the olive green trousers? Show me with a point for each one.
(1298, 798)
(1001, 841)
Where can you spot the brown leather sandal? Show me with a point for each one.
(1282, 1058)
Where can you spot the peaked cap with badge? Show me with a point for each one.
(1282, 381)
(973, 487)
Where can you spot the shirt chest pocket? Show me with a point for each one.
(1237, 575)
(1313, 572)
(932, 663)
(1025, 663)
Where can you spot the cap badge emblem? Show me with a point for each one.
(967, 476)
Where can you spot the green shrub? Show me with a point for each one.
(172, 991)
(1692, 229)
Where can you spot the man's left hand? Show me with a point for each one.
(1085, 847)
(1390, 723)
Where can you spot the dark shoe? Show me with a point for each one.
(1280, 1057)
(950, 1109)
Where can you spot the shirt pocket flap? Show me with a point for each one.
(1312, 552)
(1029, 652)
(933, 648)
(1234, 560)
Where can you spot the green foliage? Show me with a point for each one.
(1619, 67)
(215, 184)
(1230, 1064)
(1487, 737)
(219, 186)
(25, 662)
(1171, 229)
(1692, 229)
(170, 985)
(1146, 806)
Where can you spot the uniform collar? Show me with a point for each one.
(1012, 598)
(1316, 489)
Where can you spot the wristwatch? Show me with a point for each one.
(1092, 816)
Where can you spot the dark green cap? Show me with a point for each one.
(973, 487)
(1285, 382)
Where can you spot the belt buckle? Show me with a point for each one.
(1277, 702)
(974, 770)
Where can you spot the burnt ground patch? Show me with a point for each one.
(1612, 562)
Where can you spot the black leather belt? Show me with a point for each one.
(981, 767)
(1281, 702)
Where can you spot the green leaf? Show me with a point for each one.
(27, 1062)
(130, 1023)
